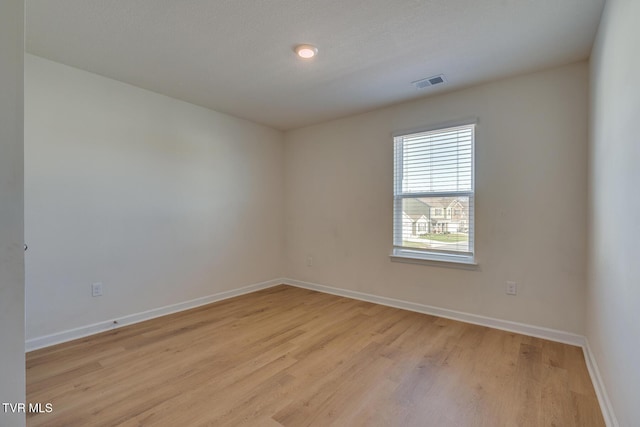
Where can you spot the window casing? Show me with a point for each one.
(433, 177)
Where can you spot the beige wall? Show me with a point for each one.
(613, 306)
(163, 201)
(531, 157)
(12, 378)
(159, 200)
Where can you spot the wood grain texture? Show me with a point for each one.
(286, 356)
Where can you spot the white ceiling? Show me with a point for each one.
(235, 56)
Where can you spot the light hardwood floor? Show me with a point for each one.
(293, 357)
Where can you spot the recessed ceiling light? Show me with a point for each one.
(306, 51)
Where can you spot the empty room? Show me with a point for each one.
(331, 213)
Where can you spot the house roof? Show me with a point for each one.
(445, 202)
(415, 208)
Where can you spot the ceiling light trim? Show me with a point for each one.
(306, 51)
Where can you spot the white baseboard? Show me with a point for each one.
(84, 331)
(505, 325)
(598, 385)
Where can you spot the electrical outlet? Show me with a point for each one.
(512, 288)
(96, 289)
(309, 261)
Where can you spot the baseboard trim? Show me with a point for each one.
(505, 325)
(95, 328)
(598, 385)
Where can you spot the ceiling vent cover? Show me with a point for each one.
(429, 81)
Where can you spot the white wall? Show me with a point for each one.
(12, 379)
(613, 305)
(530, 209)
(158, 199)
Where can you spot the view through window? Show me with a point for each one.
(434, 194)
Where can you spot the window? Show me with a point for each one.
(434, 170)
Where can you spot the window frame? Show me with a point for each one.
(430, 256)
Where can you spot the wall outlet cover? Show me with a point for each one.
(96, 289)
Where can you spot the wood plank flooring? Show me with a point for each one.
(291, 357)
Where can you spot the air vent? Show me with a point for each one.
(429, 81)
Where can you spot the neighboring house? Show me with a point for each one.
(415, 217)
(449, 215)
(431, 215)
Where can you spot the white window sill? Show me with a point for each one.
(435, 259)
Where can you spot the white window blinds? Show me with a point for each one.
(434, 194)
